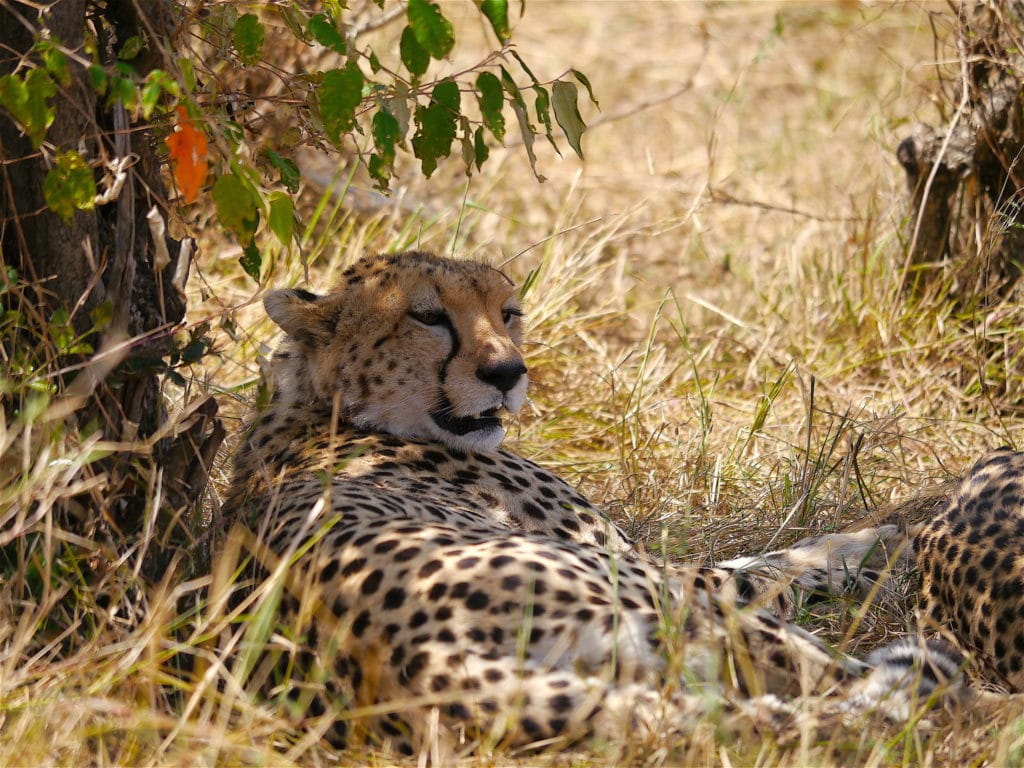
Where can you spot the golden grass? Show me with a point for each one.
(720, 350)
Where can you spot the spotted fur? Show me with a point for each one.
(969, 558)
(432, 588)
(971, 561)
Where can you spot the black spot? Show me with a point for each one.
(415, 666)
(533, 510)
(430, 567)
(437, 592)
(511, 583)
(458, 711)
(394, 598)
(531, 726)
(362, 621)
(372, 582)
(406, 554)
(561, 703)
(354, 567)
(445, 635)
(440, 683)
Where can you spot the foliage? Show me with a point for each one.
(693, 420)
(355, 101)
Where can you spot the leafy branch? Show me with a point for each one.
(244, 91)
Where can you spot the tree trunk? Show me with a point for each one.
(966, 180)
(105, 256)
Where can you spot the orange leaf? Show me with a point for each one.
(187, 147)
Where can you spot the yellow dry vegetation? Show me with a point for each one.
(722, 348)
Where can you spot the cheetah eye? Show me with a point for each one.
(510, 314)
(430, 317)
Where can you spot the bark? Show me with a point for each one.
(105, 255)
(966, 178)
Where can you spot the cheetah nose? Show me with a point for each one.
(503, 375)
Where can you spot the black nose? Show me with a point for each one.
(503, 375)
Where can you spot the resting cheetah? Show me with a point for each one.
(971, 560)
(436, 588)
(969, 556)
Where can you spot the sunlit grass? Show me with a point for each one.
(721, 348)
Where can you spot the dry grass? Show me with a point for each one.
(720, 349)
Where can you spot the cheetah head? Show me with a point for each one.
(410, 344)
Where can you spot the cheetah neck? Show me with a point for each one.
(290, 379)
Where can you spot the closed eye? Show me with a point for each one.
(509, 314)
(430, 317)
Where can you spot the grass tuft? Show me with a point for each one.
(721, 348)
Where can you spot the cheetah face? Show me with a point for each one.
(411, 344)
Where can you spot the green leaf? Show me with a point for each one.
(339, 94)
(386, 133)
(543, 108)
(415, 58)
(188, 73)
(511, 88)
(526, 69)
(248, 36)
(26, 100)
(157, 82)
(132, 47)
(585, 82)
(288, 169)
(251, 261)
(375, 65)
(193, 351)
(282, 217)
(122, 89)
(54, 60)
(150, 96)
(398, 106)
(433, 31)
(380, 172)
(519, 107)
(296, 21)
(436, 126)
(237, 207)
(69, 186)
(325, 33)
(446, 93)
(496, 12)
(97, 78)
(102, 315)
(480, 147)
(567, 114)
(491, 99)
(527, 130)
(466, 140)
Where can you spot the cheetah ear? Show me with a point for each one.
(302, 315)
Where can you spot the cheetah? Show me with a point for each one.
(432, 587)
(968, 555)
(970, 561)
